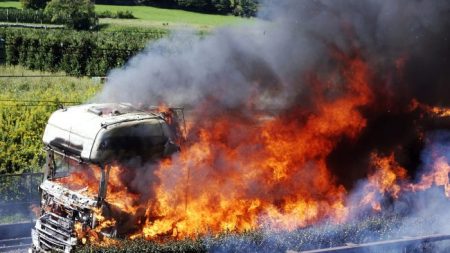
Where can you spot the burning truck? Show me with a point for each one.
(89, 139)
(353, 90)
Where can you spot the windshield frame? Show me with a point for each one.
(51, 173)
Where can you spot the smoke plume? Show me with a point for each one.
(267, 65)
(342, 78)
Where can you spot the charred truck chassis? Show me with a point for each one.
(93, 135)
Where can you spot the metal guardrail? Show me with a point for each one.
(35, 26)
(13, 245)
(2, 51)
(19, 193)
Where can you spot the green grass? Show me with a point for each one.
(13, 4)
(168, 18)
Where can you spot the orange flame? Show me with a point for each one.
(439, 176)
(432, 110)
(239, 174)
(385, 180)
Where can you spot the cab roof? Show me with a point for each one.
(80, 129)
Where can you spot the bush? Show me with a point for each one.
(119, 14)
(105, 14)
(34, 4)
(125, 14)
(77, 14)
(245, 8)
(22, 124)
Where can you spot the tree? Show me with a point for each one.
(201, 5)
(34, 4)
(245, 8)
(223, 6)
(77, 14)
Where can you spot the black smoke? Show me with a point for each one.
(406, 43)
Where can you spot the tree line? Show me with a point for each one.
(246, 8)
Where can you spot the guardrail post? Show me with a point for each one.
(2, 51)
(30, 196)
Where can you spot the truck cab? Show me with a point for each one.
(88, 138)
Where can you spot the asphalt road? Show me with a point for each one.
(15, 237)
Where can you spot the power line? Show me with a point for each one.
(159, 32)
(81, 47)
(11, 76)
(50, 76)
(26, 105)
(40, 101)
(33, 103)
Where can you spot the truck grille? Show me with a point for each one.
(55, 233)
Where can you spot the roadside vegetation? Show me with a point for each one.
(25, 105)
(369, 229)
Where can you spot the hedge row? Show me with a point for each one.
(74, 52)
(25, 16)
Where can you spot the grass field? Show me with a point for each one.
(150, 17)
(169, 18)
(13, 4)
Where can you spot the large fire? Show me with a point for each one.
(238, 173)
